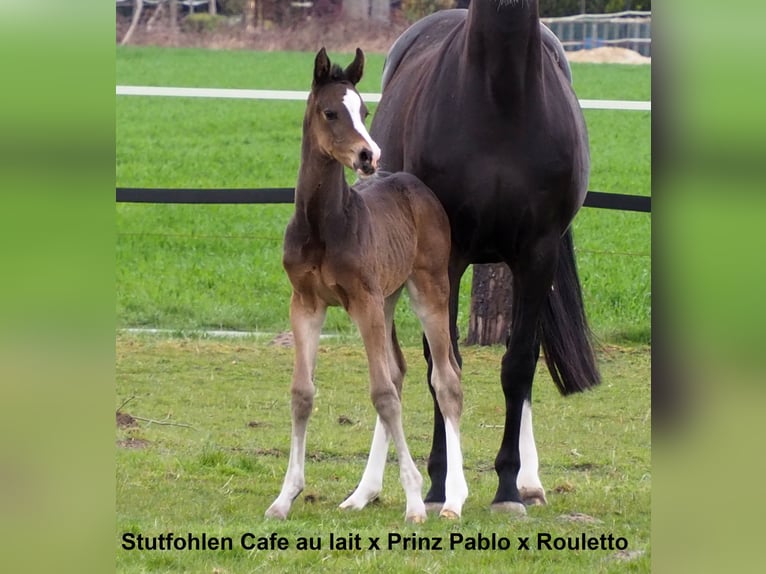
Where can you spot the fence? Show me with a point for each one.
(632, 30)
(618, 201)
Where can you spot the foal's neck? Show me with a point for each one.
(322, 190)
(503, 45)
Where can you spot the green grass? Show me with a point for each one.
(196, 267)
(219, 474)
(190, 67)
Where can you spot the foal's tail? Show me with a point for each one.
(565, 336)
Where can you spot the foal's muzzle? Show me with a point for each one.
(366, 163)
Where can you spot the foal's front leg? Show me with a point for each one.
(306, 318)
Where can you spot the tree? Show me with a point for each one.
(491, 305)
(137, 9)
(367, 9)
(380, 10)
(174, 16)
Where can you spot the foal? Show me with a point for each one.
(359, 247)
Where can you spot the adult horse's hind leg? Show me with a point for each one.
(528, 482)
(306, 318)
(532, 279)
(371, 484)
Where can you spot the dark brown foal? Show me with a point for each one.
(359, 247)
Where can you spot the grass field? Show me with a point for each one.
(207, 448)
(195, 267)
(220, 468)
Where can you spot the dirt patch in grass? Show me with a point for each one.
(124, 420)
(608, 55)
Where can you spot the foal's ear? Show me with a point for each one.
(321, 68)
(355, 69)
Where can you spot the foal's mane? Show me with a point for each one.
(337, 74)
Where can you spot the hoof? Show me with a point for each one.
(276, 513)
(416, 518)
(360, 498)
(449, 515)
(533, 496)
(509, 508)
(434, 507)
(351, 504)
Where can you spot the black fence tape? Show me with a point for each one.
(597, 199)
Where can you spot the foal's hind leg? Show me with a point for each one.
(367, 312)
(437, 459)
(429, 293)
(306, 318)
(372, 480)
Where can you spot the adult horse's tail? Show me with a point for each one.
(564, 332)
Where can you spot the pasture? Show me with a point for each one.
(208, 453)
(186, 267)
(219, 474)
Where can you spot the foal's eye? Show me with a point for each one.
(330, 114)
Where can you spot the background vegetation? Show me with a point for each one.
(188, 267)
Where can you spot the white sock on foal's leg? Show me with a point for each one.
(294, 477)
(372, 479)
(455, 487)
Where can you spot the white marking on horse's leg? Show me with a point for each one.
(368, 314)
(445, 378)
(353, 104)
(410, 477)
(528, 480)
(307, 326)
(294, 477)
(372, 479)
(455, 487)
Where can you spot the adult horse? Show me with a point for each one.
(479, 105)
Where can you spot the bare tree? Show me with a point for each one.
(212, 8)
(138, 7)
(174, 16)
(491, 304)
(253, 15)
(356, 9)
(380, 10)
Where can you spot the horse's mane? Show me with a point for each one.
(337, 74)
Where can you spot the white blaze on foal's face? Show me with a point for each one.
(353, 104)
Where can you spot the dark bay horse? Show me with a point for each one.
(478, 104)
(359, 247)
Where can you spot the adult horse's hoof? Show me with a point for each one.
(449, 515)
(533, 496)
(434, 507)
(509, 507)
